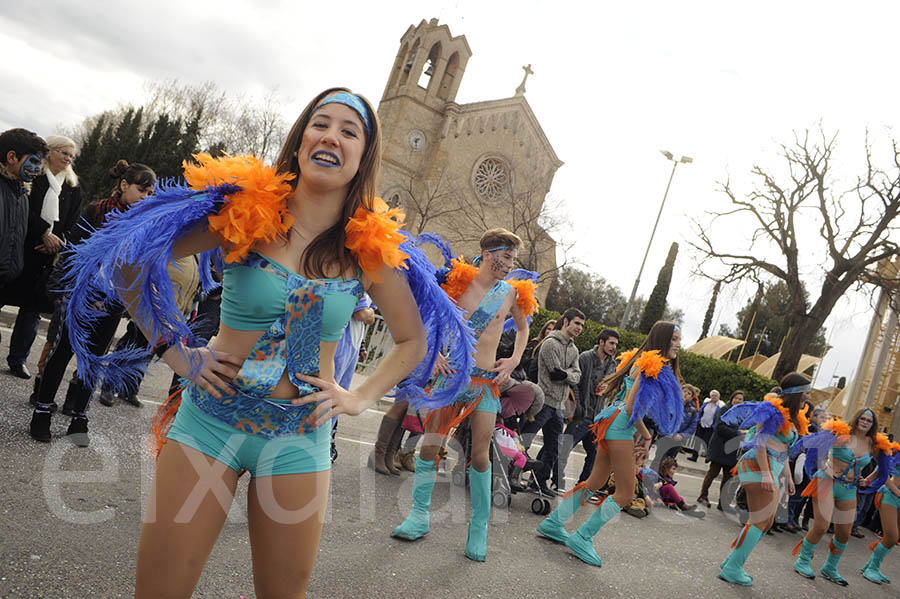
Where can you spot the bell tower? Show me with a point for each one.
(420, 90)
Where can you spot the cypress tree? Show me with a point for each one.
(710, 310)
(656, 303)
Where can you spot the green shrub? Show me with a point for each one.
(702, 371)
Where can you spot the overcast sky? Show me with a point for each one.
(613, 85)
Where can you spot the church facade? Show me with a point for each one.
(460, 169)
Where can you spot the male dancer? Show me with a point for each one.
(487, 299)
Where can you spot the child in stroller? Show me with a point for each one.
(510, 462)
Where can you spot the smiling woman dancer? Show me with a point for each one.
(302, 242)
(833, 487)
(646, 383)
(773, 425)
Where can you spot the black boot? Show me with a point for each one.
(33, 398)
(71, 396)
(78, 431)
(40, 424)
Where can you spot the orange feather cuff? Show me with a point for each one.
(625, 356)
(459, 278)
(525, 295)
(650, 363)
(257, 212)
(374, 238)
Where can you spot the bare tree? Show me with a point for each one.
(239, 125)
(427, 201)
(857, 230)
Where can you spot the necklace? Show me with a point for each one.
(297, 231)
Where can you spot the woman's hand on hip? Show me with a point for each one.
(332, 400)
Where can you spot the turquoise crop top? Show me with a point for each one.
(252, 299)
(845, 454)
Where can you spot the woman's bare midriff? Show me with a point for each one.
(240, 343)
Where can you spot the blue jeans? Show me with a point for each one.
(550, 421)
(24, 332)
(579, 432)
(864, 503)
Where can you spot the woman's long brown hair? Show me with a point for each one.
(659, 338)
(874, 428)
(327, 249)
(794, 401)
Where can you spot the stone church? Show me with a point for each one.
(460, 169)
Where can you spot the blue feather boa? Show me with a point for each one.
(143, 236)
(445, 327)
(816, 445)
(660, 399)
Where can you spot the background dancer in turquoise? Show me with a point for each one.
(834, 486)
(487, 300)
(646, 383)
(888, 503)
(772, 426)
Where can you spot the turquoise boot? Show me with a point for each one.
(872, 570)
(733, 566)
(553, 526)
(581, 541)
(417, 524)
(801, 566)
(829, 571)
(480, 492)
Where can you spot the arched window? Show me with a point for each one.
(449, 76)
(430, 65)
(398, 66)
(410, 59)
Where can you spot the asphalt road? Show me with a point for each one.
(71, 519)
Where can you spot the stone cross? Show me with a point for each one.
(520, 91)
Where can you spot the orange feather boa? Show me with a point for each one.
(257, 213)
(374, 238)
(462, 274)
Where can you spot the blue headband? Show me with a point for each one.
(477, 260)
(800, 389)
(351, 100)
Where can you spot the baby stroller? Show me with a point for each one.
(508, 459)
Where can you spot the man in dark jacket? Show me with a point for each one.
(722, 451)
(557, 370)
(21, 152)
(596, 364)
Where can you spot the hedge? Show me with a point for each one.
(702, 371)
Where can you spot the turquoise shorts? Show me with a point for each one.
(488, 402)
(839, 490)
(482, 391)
(618, 429)
(748, 468)
(241, 451)
(886, 497)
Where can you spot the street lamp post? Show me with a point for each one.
(630, 305)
